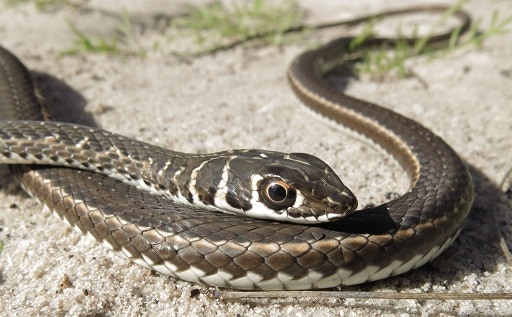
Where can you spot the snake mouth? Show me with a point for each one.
(345, 205)
(326, 210)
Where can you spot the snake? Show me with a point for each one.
(243, 219)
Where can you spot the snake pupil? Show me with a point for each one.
(277, 192)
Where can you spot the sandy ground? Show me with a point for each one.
(240, 99)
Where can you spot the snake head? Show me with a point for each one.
(293, 187)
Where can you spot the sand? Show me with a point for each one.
(240, 99)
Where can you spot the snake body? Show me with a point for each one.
(190, 242)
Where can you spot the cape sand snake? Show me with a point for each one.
(205, 246)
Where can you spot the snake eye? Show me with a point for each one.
(277, 194)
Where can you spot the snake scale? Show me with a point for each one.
(311, 235)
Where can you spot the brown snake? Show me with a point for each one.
(205, 246)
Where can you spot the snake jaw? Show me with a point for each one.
(334, 204)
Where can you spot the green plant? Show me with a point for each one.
(216, 27)
(122, 43)
(46, 5)
(496, 27)
(379, 62)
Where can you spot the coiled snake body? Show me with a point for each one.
(188, 240)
